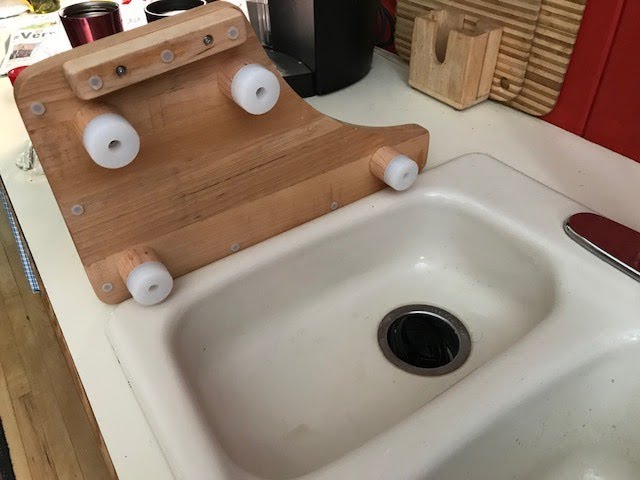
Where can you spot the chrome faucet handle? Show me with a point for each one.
(614, 243)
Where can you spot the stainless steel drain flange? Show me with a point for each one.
(424, 340)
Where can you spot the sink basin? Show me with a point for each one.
(266, 365)
(584, 425)
(283, 358)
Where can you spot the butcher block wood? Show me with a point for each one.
(210, 178)
(517, 17)
(452, 64)
(555, 36)
(142, 57)
(50, 427)
(381, 159)
(133, 258)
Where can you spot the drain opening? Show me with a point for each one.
(424, 340)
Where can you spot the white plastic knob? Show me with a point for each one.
(401, 173)
(255, 88)
(111, 141)
(149, 283)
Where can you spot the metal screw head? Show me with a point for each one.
(121, 70)
(77, 210)
(235, 247)
(107, 287)
(207, 40)
(333, 206)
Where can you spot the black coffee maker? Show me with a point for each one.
(319, 46)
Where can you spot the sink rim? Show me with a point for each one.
(238, 348)
(605, 355)
(216, 461)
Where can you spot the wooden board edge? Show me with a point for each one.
(343, 185)
(23, 92)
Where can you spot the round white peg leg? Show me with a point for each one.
(255, 88)
(111, 141)
(393, 168)
(145, 276)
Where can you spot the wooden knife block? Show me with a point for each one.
(210, 178)
(451, 63)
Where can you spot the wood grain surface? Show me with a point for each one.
(465, 77)
(142, 56)
(48, 422)
(555, 37)
(209, 175)
(517, 17)
(134, 257)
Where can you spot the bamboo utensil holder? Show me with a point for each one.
(451, 63)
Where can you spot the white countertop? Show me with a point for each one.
(592, 175)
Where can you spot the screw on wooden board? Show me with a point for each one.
(207, 40)
(121, 70)
(77, 210)
(233, 33)
(333, 206)
(107, 287)
(235, 247)
(167, 56)
(95, 82)
(37, 108)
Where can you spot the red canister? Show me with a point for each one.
(88, 21)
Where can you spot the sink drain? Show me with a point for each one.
(424, 340)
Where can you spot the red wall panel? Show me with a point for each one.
(614, 120)
(588, 61)
(600, 99)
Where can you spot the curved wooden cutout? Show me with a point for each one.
(209, 176)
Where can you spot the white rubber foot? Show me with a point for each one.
(111, 141)
(149, 283)
(255, 88)
(401, 173)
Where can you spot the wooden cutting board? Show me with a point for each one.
(518, 18)
(209, 178)
(553, 43)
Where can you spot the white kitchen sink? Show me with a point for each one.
(266, 365)
(584, 425)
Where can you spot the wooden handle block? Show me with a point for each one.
(393, 168)
(451, 64)
(380, 161)
(133, 258)
(88, 113)
(120, 65)
(227, 72)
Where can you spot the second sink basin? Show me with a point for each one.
(266, 365)
(585, 425)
